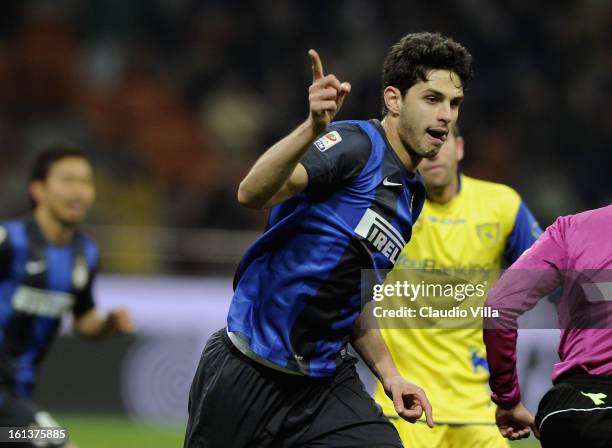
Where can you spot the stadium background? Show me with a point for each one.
(175, 99)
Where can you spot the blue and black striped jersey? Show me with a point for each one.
(39, 282)
(297, 288)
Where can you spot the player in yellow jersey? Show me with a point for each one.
(465, 224)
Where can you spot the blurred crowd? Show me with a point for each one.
(175, 99)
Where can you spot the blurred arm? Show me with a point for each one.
(92, 324)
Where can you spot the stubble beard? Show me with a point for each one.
(407, 135)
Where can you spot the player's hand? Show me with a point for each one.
(409, 400)
(119, 321)
(515, 423)
(325, 95)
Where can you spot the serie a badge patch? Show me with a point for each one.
(328, 140)
(489, 233)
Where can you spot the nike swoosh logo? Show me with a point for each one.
(388, 183)
(35, 267)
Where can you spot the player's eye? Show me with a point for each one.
(456, 103)
(431, 99)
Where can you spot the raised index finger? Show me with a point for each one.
(317, 67)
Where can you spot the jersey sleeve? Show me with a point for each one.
(336, 157)
(5, 253)
(84, 298)
(525, 232)
(533, 276)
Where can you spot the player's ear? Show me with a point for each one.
(36, 190)
(393, 100)
(460, 148)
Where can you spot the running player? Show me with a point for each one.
(466, 225)
(47, 267)
(345, 199)
(575, 255)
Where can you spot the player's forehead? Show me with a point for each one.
(73, 165)
(443, 82)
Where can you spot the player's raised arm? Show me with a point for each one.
(277, 174)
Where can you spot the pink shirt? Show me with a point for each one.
(574, 253)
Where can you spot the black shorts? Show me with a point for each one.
(577, 411)
(236, 402)
(22, 413)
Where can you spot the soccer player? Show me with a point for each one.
(575, 255)
(343, 199)
(466, 225)
(47, 267)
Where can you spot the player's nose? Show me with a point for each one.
(445, 112)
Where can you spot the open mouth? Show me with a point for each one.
(438, 134)
(75, 207)
(433, 168)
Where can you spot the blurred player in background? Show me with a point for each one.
(47, 267)
(575, 255)
(466, 225)
(344, 199)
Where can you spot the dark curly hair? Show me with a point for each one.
(409, 60)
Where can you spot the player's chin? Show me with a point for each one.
(430, 151)
(72, 218)
(435, 181)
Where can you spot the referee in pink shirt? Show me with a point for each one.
(574, 255)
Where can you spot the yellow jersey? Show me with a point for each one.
(483, 225)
